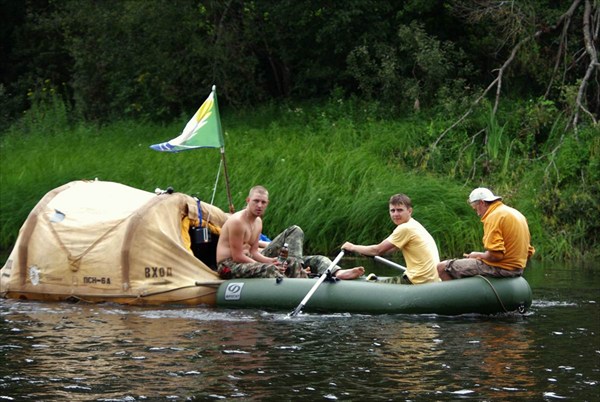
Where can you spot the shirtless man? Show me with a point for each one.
(238, 255)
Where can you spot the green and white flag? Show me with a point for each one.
(202, 131)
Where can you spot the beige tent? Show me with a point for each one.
(104, 241)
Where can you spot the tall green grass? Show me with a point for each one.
(329, 170)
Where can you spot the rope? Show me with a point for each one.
(212, 198)
(495, 292)
(133, 297)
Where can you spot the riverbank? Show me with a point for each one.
(329, 170)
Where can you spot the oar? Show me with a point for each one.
(316, 285)
(389, 263)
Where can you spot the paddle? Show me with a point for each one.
(316, 285)
(389, 263)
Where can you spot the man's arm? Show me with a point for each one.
(254, 243)
(530, 251)
(385, 247)
(261, 258)
(489, 255)
(255, 252)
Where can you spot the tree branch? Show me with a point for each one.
(564, 21)
(593, 65)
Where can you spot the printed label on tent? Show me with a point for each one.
(233, 291)
(92, 280)
(158, 272)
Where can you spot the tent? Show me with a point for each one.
(104, 241)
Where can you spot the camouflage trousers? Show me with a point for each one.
(294, 237)
(229, 269)
(398, 280)
(296, 262)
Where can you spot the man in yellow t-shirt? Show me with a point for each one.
(506, 241)
(418, 247)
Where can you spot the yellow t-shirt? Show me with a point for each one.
(419, 250)
(505, 229)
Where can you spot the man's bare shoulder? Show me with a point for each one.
(233, 219)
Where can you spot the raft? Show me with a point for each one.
(475, 295)
(95, 241)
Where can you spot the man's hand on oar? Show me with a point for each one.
(316, 285)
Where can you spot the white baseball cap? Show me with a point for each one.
(483, 194)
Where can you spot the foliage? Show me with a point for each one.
(413, 67)
(570, 201)
(355, 95)
(49, 113)
(149, 59)
(332, 176)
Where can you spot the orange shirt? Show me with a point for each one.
(505, 230)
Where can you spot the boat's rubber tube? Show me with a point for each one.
(462, 296)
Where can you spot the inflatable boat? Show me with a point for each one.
(478, 295)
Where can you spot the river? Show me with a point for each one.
(104, 352)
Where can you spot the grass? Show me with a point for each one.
(328, 172)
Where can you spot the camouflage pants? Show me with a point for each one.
(398, 280)
(229, 269)
(294, 237)
(318, 264)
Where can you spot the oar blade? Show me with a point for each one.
(297, 310)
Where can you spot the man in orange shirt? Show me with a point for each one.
(506, 241)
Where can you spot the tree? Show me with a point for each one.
(568, 53)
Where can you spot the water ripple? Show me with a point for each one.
(56, 352)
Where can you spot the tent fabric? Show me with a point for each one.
(101, 238)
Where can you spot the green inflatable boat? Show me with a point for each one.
(477, 295)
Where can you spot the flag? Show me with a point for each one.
(202, 131)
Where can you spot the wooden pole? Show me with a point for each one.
(231, 207)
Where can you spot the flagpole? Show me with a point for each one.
(231, 208)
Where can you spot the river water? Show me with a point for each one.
(82, 352)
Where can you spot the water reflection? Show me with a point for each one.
(105, 352)
(502, 354)
(410, 353)
(83, 351)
